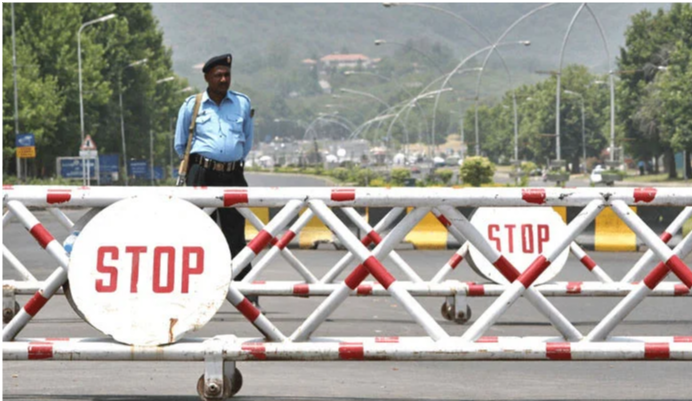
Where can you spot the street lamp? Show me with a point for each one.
(122, 118)
(379, 42)
(79, 68)
(370, 95)
(583, 127)
(151, 136)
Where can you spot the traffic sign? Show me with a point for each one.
(136, 273)
(26, 146)
(88, 144)
(521, 235)
(71, 167)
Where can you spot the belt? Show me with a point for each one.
(214, 165)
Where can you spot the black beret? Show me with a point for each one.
(224, 59)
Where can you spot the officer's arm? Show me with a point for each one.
(248, 128)
(181, 129)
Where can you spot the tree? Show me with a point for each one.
(476, 171)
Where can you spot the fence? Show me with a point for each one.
(378, 243)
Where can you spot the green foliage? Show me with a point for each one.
(444, 175)
(528, 167)
(363, 177)
(48, 84)
(477, 170)
(399, 176)
(340, 173)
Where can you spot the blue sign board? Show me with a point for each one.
(138, 168)
(24, 140)
(109, 163)
(72, 168)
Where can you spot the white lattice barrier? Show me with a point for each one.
(567, 344)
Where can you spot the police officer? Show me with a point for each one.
(220, 144)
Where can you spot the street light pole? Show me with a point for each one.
(122, 118)
(16, 96)
(583, 127)
(79, 68)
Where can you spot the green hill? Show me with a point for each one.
(253, 32)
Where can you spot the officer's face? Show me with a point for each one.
(219, 79)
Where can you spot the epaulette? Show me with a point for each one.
(240, 95)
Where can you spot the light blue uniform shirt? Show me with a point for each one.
(222, 132)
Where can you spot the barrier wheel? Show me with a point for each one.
(227, 390)
(236, 382)
(462, 318)
(8, 314)
(447, 311)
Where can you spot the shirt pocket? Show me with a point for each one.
(201, 120)
(236, 125)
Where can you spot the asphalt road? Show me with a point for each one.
(370, 316)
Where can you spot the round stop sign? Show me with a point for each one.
(521, 235)
(147, 270)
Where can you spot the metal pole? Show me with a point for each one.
(16, 96)
(122, 131)
(81, 102)
(583, 134)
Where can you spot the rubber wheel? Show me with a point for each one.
(463, 318)
(8, 315)
(446, 311)
(231, 386)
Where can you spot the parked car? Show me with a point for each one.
(595, 176)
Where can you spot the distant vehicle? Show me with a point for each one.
(415, 169)
(595, 176)
(536, 172)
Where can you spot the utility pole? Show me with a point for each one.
(16, 96)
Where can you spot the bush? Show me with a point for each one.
(340, 173)
(477, 170)
(399, 176)
(377, 182)
(364, 177)
(444, 176)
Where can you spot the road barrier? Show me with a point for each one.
(169, 270)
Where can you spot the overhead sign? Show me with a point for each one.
(521, 235)
(26, 146)
(139, 275)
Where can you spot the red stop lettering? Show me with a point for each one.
(170, 271)
(198, 251)
(111, 270)
(494, 228)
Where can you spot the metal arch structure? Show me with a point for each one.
(400, 282)
(610, 75)
(327, 119)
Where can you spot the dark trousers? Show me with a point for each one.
(232, 222)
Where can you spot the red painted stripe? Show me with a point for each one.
(42, 235)
(343, 195)
(666, 236)
(533, 195)
(58, 195)
(506, 268)
(680, 289)
(234, 196)
(364, 289)
(455, 260)
(274, 241)
(682, 339)
(39, 350)
(286, 239)
(656, 351)
(531, 274)
(379, 272)
(356, 277)
(7, 187)
(558, 351)
(476, 290)
(680, 269)
(488, 339)
(259, 242)
(351, 351)
(644, 194)
(301, 289)
(444, 220)
(392, 339)
(257, 350)
(366, 240)
(375, 237)
(656, 276)
(248, 310)
(259, 282)
(588, 262)
(35, 304)
(574, 287)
